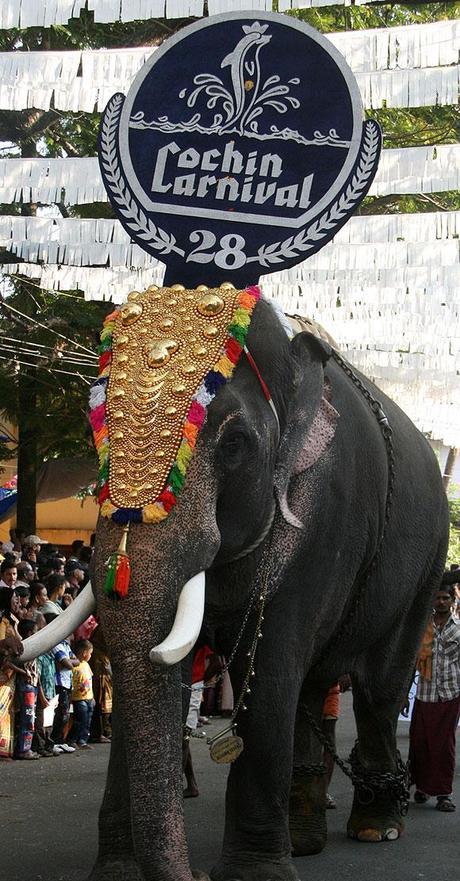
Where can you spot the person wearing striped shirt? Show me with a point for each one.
(437, 706)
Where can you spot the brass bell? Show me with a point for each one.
(133, 295)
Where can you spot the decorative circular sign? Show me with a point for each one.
(240, 148)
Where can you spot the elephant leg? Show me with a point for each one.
(256, 841)
(376, 813)
(115, 859)
(307, 803)
(380, 686)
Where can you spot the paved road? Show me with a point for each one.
(48, 820)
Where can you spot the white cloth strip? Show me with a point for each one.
(369, 240)
(400, 327)
(101, 283)
(410, 66)
(78, 181)
(28, 13)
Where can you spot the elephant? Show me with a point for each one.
(321, 525)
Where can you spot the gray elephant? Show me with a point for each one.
(325, 510)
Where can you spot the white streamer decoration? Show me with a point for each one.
(409, 66)
(76, 181)
(383, 241)
(24, 13)
(386, 287)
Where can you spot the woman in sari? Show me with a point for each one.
(10, 647)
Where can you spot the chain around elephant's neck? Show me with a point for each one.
(259, 539)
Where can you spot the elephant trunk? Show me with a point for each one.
(149, 695)
(150, 703)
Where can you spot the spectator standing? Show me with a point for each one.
(75, 550)
(24, 596)
(101, 728)
(8, 573)
(436, 707)
(38, 598)
(75, 577)
(82, 696)
(9, 604)
(33, 543)
(55, 586)
(65, 661)
(25, 574)
(43, 741)
(55, 565)
(27, 690)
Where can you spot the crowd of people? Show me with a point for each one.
(62, 701)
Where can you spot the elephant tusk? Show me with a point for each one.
(54, 632)
(187, 624)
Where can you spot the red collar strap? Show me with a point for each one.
(263, 386)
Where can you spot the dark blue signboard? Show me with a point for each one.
(239, 150)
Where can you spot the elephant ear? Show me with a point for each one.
(311, 418)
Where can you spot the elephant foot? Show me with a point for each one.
(200, 876)
(307, 814)
(378, 821)
(116, 870)
(255, 869)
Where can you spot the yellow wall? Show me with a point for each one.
(60, 522)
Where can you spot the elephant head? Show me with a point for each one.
(245, 455)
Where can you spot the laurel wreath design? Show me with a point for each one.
(135, 219)
(306, 239)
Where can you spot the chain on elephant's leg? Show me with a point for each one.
(380, 784)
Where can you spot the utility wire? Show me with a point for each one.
(45, 356)
(39, 345)
(34, 284)
(87, 379)
(49, 329)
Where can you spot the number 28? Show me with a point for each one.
(230, 256)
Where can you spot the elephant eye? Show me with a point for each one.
(233, 447)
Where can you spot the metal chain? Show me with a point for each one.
(312, 770)
(367, 783)
(219, 677)
(387, 435)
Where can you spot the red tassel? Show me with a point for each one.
(118, 569)
(122, 575)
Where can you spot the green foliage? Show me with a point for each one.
(58, 421)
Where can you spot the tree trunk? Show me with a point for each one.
(27, 451)
(27, 410)
(450, 463)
